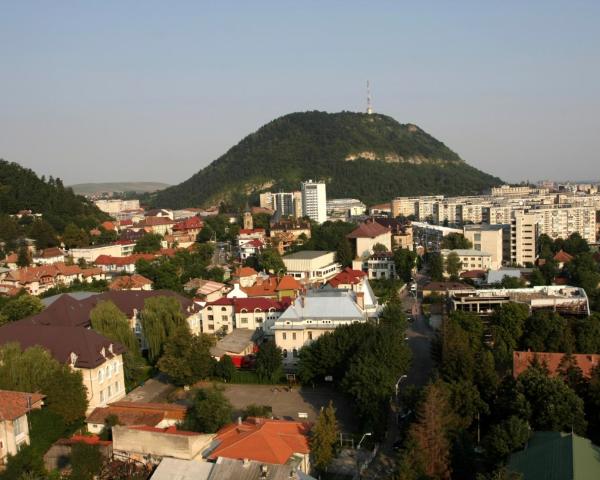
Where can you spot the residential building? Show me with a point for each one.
(556, 456)
(402, 232)
(312, 315)
(49, 256)
(311, 266)
(286, 232)
(131, 282)
(99, 359)
(14, 427)
(345, 208)
(552, 361)
(381, 210)
(206, 290)
(487, 239)
(90, 254)
(226, 314)
(245, 276)
(283, 203)
(404, 207)
(470, 259)
(277, 442)
(369, 234)
(237, 345)
(116, 206)
(314, 201)
(523, 239)
(159, 415)
(448, 212)
(122, 265)
(565, 300)
(430, 236)
(274, 287)
(378, 265)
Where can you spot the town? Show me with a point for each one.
(205, 341)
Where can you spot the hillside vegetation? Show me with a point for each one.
(22, 189)
(117, 187)
(371, 157)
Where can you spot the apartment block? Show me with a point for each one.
(314, 201)
(488, 239)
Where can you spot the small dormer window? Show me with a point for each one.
(103, 352)
(110, 349)
(73, 358)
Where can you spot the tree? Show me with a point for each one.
(109, 422)
(149, 243)
(428, 436)
(343, 253)
(453, 265)
(20, 307)
(269, 366)
(253, 410)
(404, 261)
(107, 319)
(504, 438)
(507, 324)
(379, 248)
(436, 266)
(75, 237)
(186, 358)
(225, 369)
(323, 438)
(270, 261)
(537, 278)
(161, 316)
(588, 334)
(455, 241)
(43, 234)
(34, 370)
(23, 257)
(546, 332)
(86, 461)
(209, 411)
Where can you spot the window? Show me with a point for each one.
(116, 387)
(211, 317)
(224, 318)
(115, 367)
(109, 391)
(284, 353)
(223, 309)
(210, 326)
(18, 426)
(294, 353)
(310, 335)
(284, 336)
(244, 320)
(101, 396)
(101, 375)
(294, 336)
(108, 371)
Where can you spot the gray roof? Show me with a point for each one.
(306, 254)
(483, 227)
(325, 304)
(234, 342)
(496, 276)
(230, 469)
(75, 295)
(174, 468)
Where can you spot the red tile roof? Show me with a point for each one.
(245, 272)
(288, 282)
(251, 304)
(347, 277)
(563, 257)
(251, 231)
(138, 413)
(122, 261)
(192, 223)
(129, 282)
(16, 404)
(262, 440)
(473, 274)
(368, 230)
(522, 361)
(87, 439)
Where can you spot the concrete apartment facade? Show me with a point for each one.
(314, 201)
(487, 239)
(311, 266)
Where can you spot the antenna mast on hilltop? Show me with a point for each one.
(369, 106)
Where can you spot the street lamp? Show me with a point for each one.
(398, 384)
(361, 440)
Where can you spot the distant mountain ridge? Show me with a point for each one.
(370, 157)
(120, 187)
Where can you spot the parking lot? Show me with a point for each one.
(288, 404)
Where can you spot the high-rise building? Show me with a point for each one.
(283, 203)
(314, 201)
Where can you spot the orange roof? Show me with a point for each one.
(262, 440)
(16, 404)
(167, 430)
(563, 257)
(88, 439)
(347, 277)
(368, 230)
(288, 282)
(138, 413)
(129, 282)
(522, 361)
(108, 225)
(122, 261)
(245, 272)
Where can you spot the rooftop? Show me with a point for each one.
(523, 360)
(368, 230)
(306, 255)
(16, 404)
(330, 305)
(138, 413)
(234, 342)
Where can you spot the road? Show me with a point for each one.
(419, 340)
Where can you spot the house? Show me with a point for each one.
(347, 278)
(402, 232)
(250, 248)
(48, 256)
(225, 314)
(562, 258)
(14, 427)
(311, 266)
(58, 457)
(376, 266)
(99, 359)
(245, 276)
(118, 265)
(131, 282)
(369, 234)
(159, 415)
(90, 254)
(357, 282)
(470, 259)
(206, 290)
(557, 455)
(155, 224)
(287, 232)
(552, 361)
(312, 315)
(274, 287)
(237, 344)
(151, 444)
(277, 442)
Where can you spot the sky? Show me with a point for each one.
(154, 91)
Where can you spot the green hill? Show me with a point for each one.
(22, 189)
(370, 157)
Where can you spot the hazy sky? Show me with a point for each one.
(119, 90)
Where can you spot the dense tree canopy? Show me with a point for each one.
(161, 317)
(209, 411)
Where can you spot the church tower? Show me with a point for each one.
(248, 222)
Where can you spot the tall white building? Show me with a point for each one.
(314, 201)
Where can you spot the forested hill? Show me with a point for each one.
(370, 157)
(22, 189)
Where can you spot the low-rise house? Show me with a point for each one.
(99, 359)
(376, 266)
(250, 248)
(287, 232)
(274, 287)
(131, 282)
(49, 256)
(311, 266)
(37, 280)
(470, 259)
(155, 224)
(159, 415)
(238, 345)
(347, 279)
(245, 276)
(276, 442)
(311, 316)
(118, 265)
(14, 427)
(554, 361)
(225, 314)
(151, 444)
(206, 290)
(58, 457)
(562, 258)
(369, 234)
